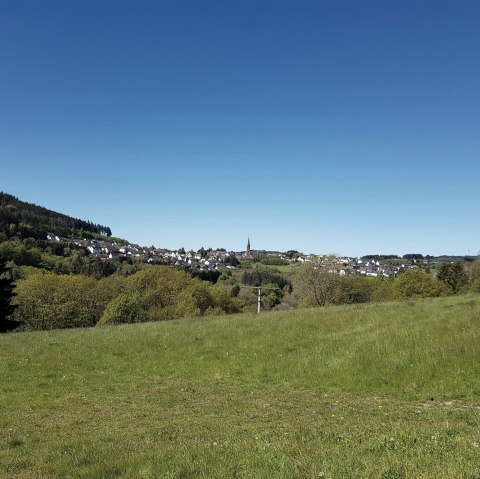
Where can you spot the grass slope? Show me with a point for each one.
(377, 391)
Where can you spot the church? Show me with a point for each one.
(248, 253)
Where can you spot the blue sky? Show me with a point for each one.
(324, 126)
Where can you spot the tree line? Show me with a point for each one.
(45, 300)
(40, 299)
(314, 285)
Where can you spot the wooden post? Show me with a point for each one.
(259, 300)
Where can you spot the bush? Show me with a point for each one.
(167, 293)
(384, 289)
(356, 289)
(415, 283)
(474, 286)
(125, 308)
(48, 301)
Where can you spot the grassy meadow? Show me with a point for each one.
(375, 391)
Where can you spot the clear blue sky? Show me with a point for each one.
(324, 126)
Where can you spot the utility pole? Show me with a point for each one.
(259, 303)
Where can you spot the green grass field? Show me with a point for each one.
(377, 391)
(287, 268)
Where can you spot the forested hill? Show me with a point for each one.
(26, 220)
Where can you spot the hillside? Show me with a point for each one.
(26, 220)
(377, 391)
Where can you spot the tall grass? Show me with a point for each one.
(387, 391)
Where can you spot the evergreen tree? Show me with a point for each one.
(453, 275)
(6, 294)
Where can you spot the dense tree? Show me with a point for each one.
(210, 275)
(453, 275)
(272, 296)
(48, 301)
(415, 283)
(6, 295)
(24, 230)
(357, 289)
(260, 277)
(25, 220)
(413, 256)
(473, 272)
(168, 293)
(231, 260)
(20, 254)
(383, 289)
(380, 257)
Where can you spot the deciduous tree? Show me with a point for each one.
(315, 286)
(415, 283)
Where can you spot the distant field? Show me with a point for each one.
(288, 267)
(377, 391)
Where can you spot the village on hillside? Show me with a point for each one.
(213, 259)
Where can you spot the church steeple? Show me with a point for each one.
(248, 247)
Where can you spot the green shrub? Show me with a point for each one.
(48, 301)
(383, 289)
(415, 283)
(356, 289)
(125, 308)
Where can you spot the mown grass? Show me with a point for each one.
(375, 391)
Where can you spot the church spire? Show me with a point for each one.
(248, 247)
